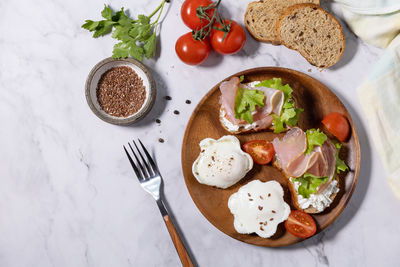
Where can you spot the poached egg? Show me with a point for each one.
(221, 162)
(258, 207)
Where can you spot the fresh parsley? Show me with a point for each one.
(340, 165)
(290, 114)
(245, 103)
(138, 37)
(309, 184)
(314, 138)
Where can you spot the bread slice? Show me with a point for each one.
(261, 17)
(313, 32)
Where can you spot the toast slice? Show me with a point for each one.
(261, 17)
(313, 32)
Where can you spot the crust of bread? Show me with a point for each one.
(271, 9)
(294, 194)
(298, 6)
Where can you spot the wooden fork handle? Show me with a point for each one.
(180, 248)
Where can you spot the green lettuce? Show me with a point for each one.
(289, 115)
(246, 102)
(309, 184)
(314, 138)
(340, 165)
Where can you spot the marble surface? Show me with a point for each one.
(68, 196)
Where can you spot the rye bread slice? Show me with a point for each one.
(261, 17)
(313, 32)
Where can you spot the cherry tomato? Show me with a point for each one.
(261, 151)
(234, 39)
(191, 51)
(189, 13)
(338, 125)
(300, 224)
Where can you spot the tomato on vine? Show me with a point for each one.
(196, 14)
(227, 37)
(192, 50)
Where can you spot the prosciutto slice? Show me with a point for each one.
(262, 117)
(294, 162)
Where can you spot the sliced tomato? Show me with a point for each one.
(300, 224)
(261, 151)
(338, 125)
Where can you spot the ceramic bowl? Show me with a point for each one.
(94, 77)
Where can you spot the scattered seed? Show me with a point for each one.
(168, 97)
(188, 102)
(260, 207)
(160, 140)
(158, 121)
(176, 112)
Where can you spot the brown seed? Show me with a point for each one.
(120, 92)
(261, 197)
(176, 112)
(261, 228)
(168, 97)
(158, 121)
(188, 102)
(213, 158)
(271, 219)
(269, 194)
(250, 199)
(160, 140)
(260, 207)
(273, 211)
(249, 194)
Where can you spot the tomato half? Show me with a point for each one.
(234, 40)
(338, 125)
(191, 51)
(261, 151)
(300, 224)
(189, 13)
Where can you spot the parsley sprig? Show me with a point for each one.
(137, 37)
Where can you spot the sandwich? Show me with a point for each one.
(257, 106)
(310, 161)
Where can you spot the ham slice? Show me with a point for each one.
(292, 145)
(294, 162)
(262, 117)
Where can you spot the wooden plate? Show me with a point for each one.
(317, 101)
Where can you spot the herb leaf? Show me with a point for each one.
(137, 38)
(246, 102)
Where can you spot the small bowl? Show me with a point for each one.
(93, 80)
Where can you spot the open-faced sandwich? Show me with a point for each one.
(311, 163)
(257, 106)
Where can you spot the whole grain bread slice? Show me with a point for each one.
(313, 32)
(261, 17)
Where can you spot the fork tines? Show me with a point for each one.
(143, 169)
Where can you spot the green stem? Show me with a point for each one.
(158, 8)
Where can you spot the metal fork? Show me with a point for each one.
(150, 179)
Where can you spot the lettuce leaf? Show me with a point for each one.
(289, 115)
(314, 138)
(309, 184)
(246, 102)
(340, 165)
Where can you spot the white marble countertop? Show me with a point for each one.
(68, 196)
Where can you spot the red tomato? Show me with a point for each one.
(338, 125)
(261, 151)
(189, 13)
(234, 39)
(300, 224)
(191, 51)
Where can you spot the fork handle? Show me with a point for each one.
(180, 248)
